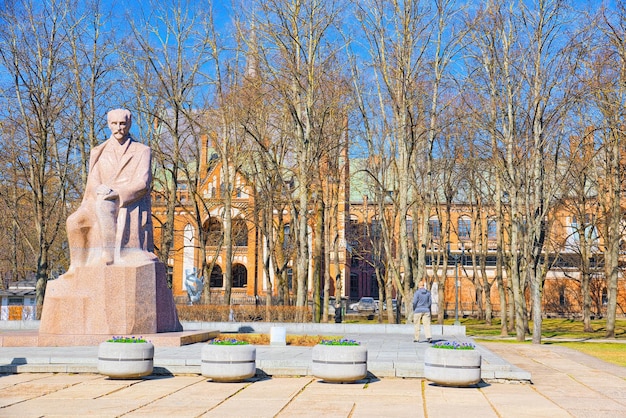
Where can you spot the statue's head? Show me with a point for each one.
(119, 121)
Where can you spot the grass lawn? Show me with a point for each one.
(550, 328)
(614, 353)
(554, 330)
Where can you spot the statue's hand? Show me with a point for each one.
(106, 193)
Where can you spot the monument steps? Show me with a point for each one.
(32, 338)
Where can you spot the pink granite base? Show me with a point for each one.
(109, 300)
(32, 338)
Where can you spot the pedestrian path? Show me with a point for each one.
(565, 383)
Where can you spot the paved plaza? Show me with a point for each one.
(564, 383)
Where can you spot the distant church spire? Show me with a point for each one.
(252, 58)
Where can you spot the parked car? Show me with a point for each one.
(354, 306)
(366, 306)
(394, 302)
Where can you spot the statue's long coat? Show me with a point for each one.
(131, 178)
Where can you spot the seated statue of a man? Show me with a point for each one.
(113, 224)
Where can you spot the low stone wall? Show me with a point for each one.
(291, 328)
(18, 325)
(316, 329)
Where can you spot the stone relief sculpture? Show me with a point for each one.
(118, 194)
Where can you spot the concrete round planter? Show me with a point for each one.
(452, 367)
(125, 360)
(228, 363)
(339, 363)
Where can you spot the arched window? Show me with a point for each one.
(217, 278)
(287, 237)
(464, 229)
(575, 229)
(240, 275)
(240, 233)
(214, 228)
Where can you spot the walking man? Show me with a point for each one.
(421, 312)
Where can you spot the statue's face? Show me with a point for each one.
(119, 124)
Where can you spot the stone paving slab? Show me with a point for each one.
(565, 383)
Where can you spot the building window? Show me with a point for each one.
(562, 296)
(574, 229)
(286, 237)
(373, 285)
(434, 228)
(240, 233)
(464, 228)
(214, 229)
(409, 226)
(354, 285)
(353, 228)
(492, 229)
(217, 278)
(376, 230)
(240, 276)
(290, 279)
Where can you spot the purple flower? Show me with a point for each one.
(453, 345)
(227, 341)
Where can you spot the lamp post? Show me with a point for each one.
(456, 285)
(457, 282)
(456, 290)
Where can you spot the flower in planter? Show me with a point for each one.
(131, 340)
(125, 357)
(453, 345)
(343, 341)
(229, 341)
(339, 360)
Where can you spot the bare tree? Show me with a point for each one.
(295, 49)
(409, 53)
(491, 41)
(609, 96)
(165, 62)
(33, 52)
(91, 73)
(525, 62)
